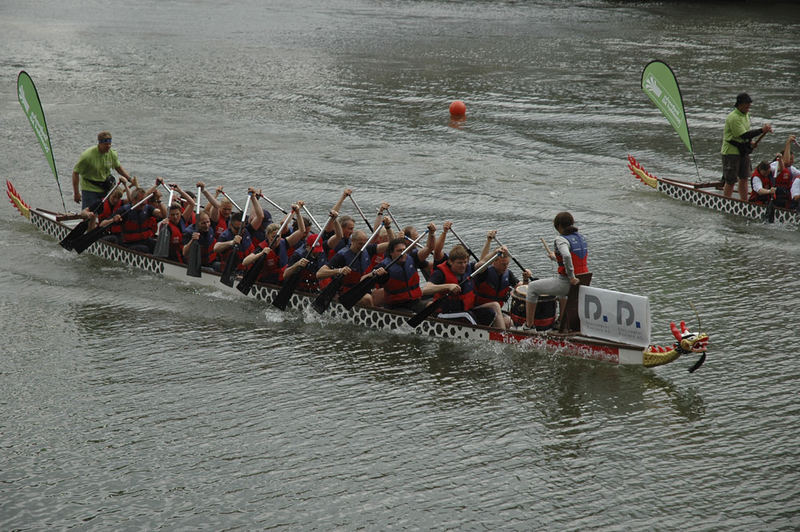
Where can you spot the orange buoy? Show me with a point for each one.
(457, 108)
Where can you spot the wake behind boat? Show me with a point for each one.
(577, 343)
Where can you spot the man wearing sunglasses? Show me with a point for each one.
(93, 169)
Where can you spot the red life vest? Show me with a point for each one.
(106, 209)
(175, 242)
(403, 283)
(272, 271)
(493, 287)
(466, 298)
(138, 225)
(222, 225)
(783, 185)
(579, 253)
(765, 183)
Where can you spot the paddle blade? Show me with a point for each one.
(250, 276)
(283, 296)
(420, 316)
(323, 300)
(77, 231)
(162, 244)
(194, 262)
(354, 295)
(87, 239)
(230, 267)
(769, 214)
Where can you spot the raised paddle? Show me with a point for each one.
(89, 238)
(436, 304)
(250, 276)
(323, 300)
(232, 202)
(394, 220)
(162, 243)
(273, 204)
(354, 295)
(290, 283)
(79, 229)
(360, 212)
(230, 265)
(463, 244)
(195, 261)
(311, 216)
(521, 267)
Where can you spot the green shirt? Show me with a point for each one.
(95, 167)
(736, 125)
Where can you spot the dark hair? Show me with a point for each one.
(236, 217)
(394, 243)
(743, 97)
(565, 221)
(763, 166)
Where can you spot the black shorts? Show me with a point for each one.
(735, 167)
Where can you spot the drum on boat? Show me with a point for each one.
(545, 309)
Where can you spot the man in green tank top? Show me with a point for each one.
(737, 145)
(93, 168)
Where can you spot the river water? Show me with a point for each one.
(131, 402)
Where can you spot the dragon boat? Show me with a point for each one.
(570, 343)
(701, 194)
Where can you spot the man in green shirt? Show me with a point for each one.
(93, 168)
(737, 145)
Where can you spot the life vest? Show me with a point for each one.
(206, 242)
(766, 182)
(493, 287)
(222, 225)
(138, 225)
(359, 268)
(579, 252)
(783, 185)
(274, 263)
(244, 246)
(106, 211)
(175, 242)
(403, 283)
(343, 243)
(457, 303)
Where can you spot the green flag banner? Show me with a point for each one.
(29, 100)
(660, 85)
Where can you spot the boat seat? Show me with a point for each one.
(568, 319)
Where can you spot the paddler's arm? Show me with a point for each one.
(787, 149)
(121, 171)
(487, 245)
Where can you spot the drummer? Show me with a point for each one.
(497, 281)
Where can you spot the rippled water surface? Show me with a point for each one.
(131, 402)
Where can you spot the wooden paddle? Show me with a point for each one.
(162, 243)
(194, 261)
(89, 238)
(323, 300)
(289, 285)
(230, 265)
(436, 304)
(79, 229)
(251, 275)
(351, 297)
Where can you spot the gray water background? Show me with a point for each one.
(130, 402)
